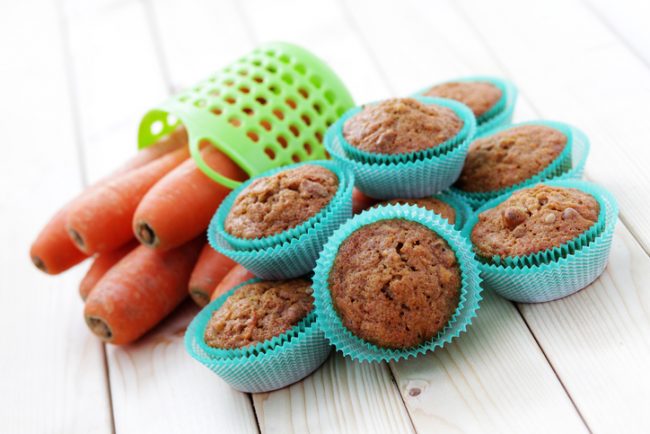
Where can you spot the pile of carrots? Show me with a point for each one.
(144, 228)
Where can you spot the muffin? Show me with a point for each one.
(479, 96)
(400, 126)
(436, 205)
(532, 220)
(259, 311)
(509, 157)
(276, 203)
(395, 283)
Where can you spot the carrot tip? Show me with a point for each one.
(99, 327)
(76, 237)
(38, 262)
(199, 297)
(146, 234)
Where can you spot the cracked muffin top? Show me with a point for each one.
(273, 204)
(395, 283)
(259, 311)
(436, 205)
(479, 96)
(532, 220)
(400, 126)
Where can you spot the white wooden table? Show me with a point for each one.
(76, 76)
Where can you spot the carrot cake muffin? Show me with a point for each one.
(273, 204)
(509, 157)
(401, 125)
(479, 96)
(395, 283)
(532, 220)
(259, 311)
(439, 207)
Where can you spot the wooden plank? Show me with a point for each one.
(156, 386)
(53, 369)
(342, 396)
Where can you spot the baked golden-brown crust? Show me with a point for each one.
(273, 204)
(532, 220)
(400, 126)
(479, 96)
(441, 208)
(395, 283)
(509, 157)
(259, 311)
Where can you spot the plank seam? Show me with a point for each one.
(154, 32)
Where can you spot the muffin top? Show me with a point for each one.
(395, 283)
(400, 126)
(275, 203)
(259, 311)
(532, 220)
(479, 96)
(439, 207)
(509, 157)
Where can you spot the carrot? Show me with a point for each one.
(100, 221)
(139, 291)
(53, 251)
(101, 265)
(209, 270)
(180, 206)
(237, 274)
(360, 201)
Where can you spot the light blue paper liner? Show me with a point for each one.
(568, 165)
(274, 365)
(344, 179)
(461, 110)
(408, 179)
(501, 113)
(555, 276)
(295, 256)
(359, 349)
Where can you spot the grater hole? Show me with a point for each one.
(278, 114)
(303, 92)
(327, 155)
(283, 142)
(230, 100)
(306, 119)
(329, 96)
(244, 89)
(265, 124)
(242, 72)
(287, 78)
(284, 58)
(316, 81)
(171, 119)
(217, 111)
(329, 122)
(156, 128)
(273, 88)
(340, 111)
(301, 68)
(200, 103)
(270, 53)
(294, 130)
(214, 92)
(258, 79)
(229, 82)
(295, 158)
(253, 136)
(271, 68)
(318, 108)
(249, 111)
(291, 103)
(319, 136)
(234, 122)
(270, 152)
(261, 100)
(257, 62)
(308, 149)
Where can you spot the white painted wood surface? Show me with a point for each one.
(572, 365)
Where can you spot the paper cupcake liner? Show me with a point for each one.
(569, 164)
(555, 276)
(296, 256)
(501, 112)
(461, 110)
(359, 349)
(290, 358)
(408, 179)
(463, 210)
(345, 178)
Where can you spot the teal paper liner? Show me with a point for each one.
(554, 276)
(461, 110)
(463, 210)
(278, 363)
(359, 349)
(408, 179)
(296, 256)
(501, 113)
(272, 240)
(568, 165)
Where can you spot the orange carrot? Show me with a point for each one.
(100, 221)
(209, 270)
(361, 202)
(238, 274)
(139, 291)
(101, 265)
(180, 206)
(53, 251)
